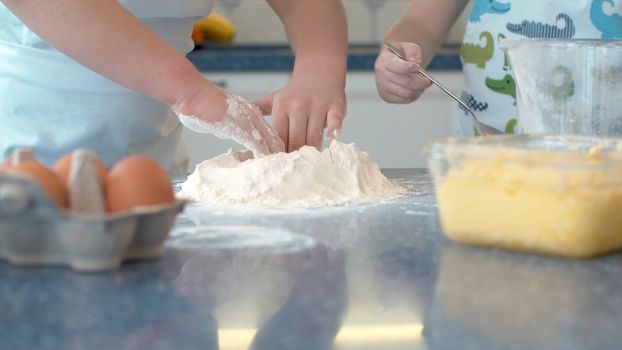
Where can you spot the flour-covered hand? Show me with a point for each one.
(242, 122)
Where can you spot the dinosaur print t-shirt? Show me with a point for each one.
(490, 89)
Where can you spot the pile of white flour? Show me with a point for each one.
(339, 174)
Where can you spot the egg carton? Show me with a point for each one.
(35, 232)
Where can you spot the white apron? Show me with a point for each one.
(490, 89)
(54, 105)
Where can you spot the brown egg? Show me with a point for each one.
(62, 167)
(137, 181)
(22, 154)
(84, 178)
(45, 177)
(6, 164)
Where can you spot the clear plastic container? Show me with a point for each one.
(567, 86)
(559, 195)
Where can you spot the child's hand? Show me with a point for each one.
(303, 108)
(397, 81)
(213, 111)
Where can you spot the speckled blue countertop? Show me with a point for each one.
(376, 276)
(281, 58)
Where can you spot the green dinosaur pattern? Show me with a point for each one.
(564, 90)
(506, 86)
(510, 127)
(478, 55)
(610, 75)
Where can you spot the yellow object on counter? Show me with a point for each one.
(213, 28)
(560, 203)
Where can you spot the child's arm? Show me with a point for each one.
(106, 38)
(426, 22)
(314, 97)
(419, 33)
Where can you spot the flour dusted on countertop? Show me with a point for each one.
(340, 174)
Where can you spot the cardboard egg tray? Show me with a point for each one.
(35, 232)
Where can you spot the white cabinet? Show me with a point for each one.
(391, 134)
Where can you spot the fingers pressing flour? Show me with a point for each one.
(243, 123)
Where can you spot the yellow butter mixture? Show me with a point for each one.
(567, 204)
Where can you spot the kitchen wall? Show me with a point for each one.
(368, 20)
